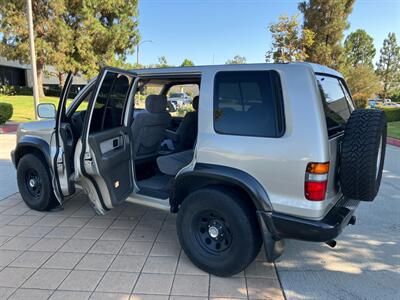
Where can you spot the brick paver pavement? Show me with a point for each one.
(131, 253)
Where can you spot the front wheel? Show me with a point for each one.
(34, 183)
(218, 231)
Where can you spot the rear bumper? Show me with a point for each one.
(282, 226)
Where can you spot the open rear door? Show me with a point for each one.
(105, 155)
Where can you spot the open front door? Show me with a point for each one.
(62, 145)
(105, 155)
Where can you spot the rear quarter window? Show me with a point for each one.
(335, 101)
(248, 103)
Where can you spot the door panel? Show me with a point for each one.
(105, 157)
(112, 151)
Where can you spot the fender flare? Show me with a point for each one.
(32, 142)
(210, 174)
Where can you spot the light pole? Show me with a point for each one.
(137, 49)
(33, 56)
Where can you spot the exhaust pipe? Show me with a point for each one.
(331, 243)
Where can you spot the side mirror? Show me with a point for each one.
(46, 111)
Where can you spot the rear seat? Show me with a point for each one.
(172, 163)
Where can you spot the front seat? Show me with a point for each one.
(148, 128)
(185, 136)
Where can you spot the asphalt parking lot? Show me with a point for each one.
(133, 253)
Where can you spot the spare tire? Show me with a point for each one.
(363, 154)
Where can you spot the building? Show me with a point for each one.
(14, 73)
(17, 74)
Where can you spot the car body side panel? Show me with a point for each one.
(40, 129)
(31, 141)
(279, 164)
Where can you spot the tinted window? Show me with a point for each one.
(336, 105)
(110, 103)
(176, 96)
(248, 103)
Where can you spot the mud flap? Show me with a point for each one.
(273, 246)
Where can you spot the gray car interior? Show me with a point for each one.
(155, 167)
(148, 128)
(185, 136)
(171, 164)
(155, 176)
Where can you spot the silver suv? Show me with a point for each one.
(269, 152)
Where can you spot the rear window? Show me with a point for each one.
(335, 100)
(248, 103)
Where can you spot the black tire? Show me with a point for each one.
(363, 154)
(239, 235)
(34, 183)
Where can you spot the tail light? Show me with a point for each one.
(316, 181)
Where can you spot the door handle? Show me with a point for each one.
(115, 143)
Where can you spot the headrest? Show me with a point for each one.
(195, 103)
(156, 103)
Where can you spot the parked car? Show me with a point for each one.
(391, 104)
(372, 103)
(179, 99)
(270, 152)
(379, 101)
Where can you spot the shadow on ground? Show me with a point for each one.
(366, 261)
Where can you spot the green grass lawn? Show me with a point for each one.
(23, 106)
(394, 129)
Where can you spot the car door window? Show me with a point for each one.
(110, 103)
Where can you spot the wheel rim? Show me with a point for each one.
(212, 232)
(378, 159)
(33, 183)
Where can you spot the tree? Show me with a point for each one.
(162, 62)
(359, 49)
(289, 41)
(78, 36)
(187, 63)
(388, 66)
(395, 95)
(237, 59)
(363, 83)
(328, 20)
(15, 38)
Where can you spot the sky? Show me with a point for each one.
(213, 31)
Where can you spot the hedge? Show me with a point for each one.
(6, 112)
(11, 90)
(49, 90)
(392, 114)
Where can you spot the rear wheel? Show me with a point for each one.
(363, 154)
(218, 231)
(34, 183)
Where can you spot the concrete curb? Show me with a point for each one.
(9, 128)
(393, 141)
